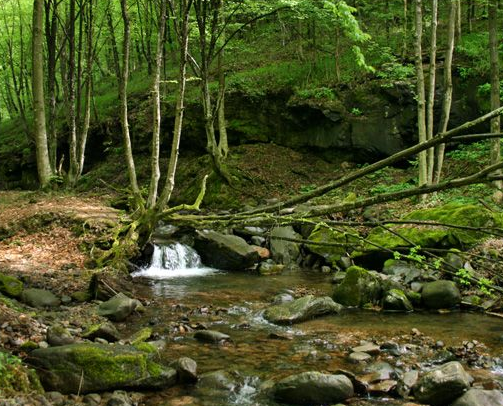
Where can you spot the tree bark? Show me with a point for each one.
(431, 88)
(420, 94)
(72, 119)
(43, 163)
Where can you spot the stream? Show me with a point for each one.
(185, 296)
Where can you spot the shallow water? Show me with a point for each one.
(233, 302)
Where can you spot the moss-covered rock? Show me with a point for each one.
(437, 236)
(343, 243)
(396, 300)
(440, 295)
(96, 367)
(10, 286)
(358, 288)
(16, 378)
(140, 336)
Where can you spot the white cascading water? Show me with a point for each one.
(172, 261)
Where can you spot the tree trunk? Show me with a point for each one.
(495, 82)
(72, 119)
(431, 88)
(447, 101)
(43, 163)
(405, 29)
(156, 101)
(51, 27)
(421, 103)
(223, 144)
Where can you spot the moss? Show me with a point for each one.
(140, 336)
(358, 288)
(81, 296)
(16, 377)
(145, 347)
(332, 254)
(438, 236)
(10, 286)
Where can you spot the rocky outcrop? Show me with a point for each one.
(96, 367)
(225, 251)
(440, 295)
(442, 385)
(313, 388)
(305, 308)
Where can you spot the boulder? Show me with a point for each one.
(118, 307)
(310, 388)
(358, 288)
(440, 295)
(10, 286)
(58, 335)
(442, 385)
(39, 298)
(225, 251)
(90, 367)
(332, 254)
(270, 268)
(283, 251)
(106, 331)
(211, 336)
(403, 269)
(186, 369)
(479, 397)
(307, 307)
(396, 300)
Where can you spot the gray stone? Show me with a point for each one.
(440, 294)
(220, 380)
(106, 331)
(92, 399)
(270, 268)
(186, 369)
(359, 356)
(118, 307)
(396, 300)
(94, 368)
(302, 309)
(442, 385)
(211, 336)
(313, 388)
(454, 260)
(403, 269)
(119, 398)
(225, 251)
(282, 298)
(59, 335)
(39, 298)
(285, 252)
(369, 348)
(479, 397)
(407, 382)
(258, 240)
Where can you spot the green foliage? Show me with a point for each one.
(470, 49)
(465, 276)
(355, 111)
(413, 255)
(15, 377)
(319, 93)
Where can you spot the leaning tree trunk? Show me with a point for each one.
(43, 163)
(156, 99)
(431, 88)
(421, 102)
(495, 82)
(447, 102)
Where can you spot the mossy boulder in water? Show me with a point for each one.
(396, 300)
(423, 235)
(343, 243)
(440, 295)
(10, 286)
(358, 288)
(119, 307)
(305, 308)
(96, 367)
(225, 251)
(313, 388)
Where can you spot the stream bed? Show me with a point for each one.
(188, 297)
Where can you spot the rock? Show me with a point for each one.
(406, 383)
(282, 298)
(282, 251)
(332, 254)
(380, 371)
(92, 399)
(58, 335)
(440, 295)
(119, 398)
(359, 357)
(396, 300)
(262, 252)
(118, 307)
(358, 288)
(10, 286)
(220, 380)
(95, 367)
(211, 336)
(403, 269)
(225, 251)
(257, 240)
(479, 397)
(186, 369)
(442, 385)
(454, 260)
(305, 308)
(140, 336)
(313, 388)
(105, 330)
(39, 298)
(370, 348)
(81, 296)
(270, 268)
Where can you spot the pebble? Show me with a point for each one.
(359, 356)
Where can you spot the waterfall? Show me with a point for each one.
(174, 260)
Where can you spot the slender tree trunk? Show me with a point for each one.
(156, 101)
(183, 34)
(421, 102)
(51, 40)
(495, 83)
(123, 82)
(458, 20)
(447, 101)
(405, 29)
(431, 88)
(43, 163)
(223, 144)
(72, 119)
